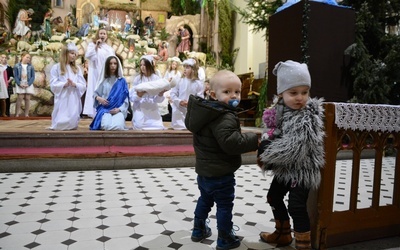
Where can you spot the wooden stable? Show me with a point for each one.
(332, 228)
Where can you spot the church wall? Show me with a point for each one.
(62, 11)
(252, 47)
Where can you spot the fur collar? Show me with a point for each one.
(297, 154)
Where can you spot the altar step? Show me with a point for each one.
(27, 145)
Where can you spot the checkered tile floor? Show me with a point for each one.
(126, 209)
(343, 180)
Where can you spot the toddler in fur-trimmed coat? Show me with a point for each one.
(292, 148)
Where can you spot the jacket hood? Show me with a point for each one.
(201, 112)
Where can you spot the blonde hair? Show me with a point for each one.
(195, 70)
(222, 75)
(23, 54)
(64, 61)
(170, 66)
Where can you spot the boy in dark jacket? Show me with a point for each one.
(218, 144)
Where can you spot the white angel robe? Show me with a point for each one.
(202, 74)
(97, 60)
(183, 89)
(67, 100)
(146, 115)
(169, 75)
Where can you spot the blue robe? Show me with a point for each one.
(119, 92)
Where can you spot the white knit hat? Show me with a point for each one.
(291, 74)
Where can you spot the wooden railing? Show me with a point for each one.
(332, 226)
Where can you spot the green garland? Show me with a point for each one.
(225, 32)
(304, 32)
(262, 102)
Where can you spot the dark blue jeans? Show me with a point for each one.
(297, 204)
(220, 190)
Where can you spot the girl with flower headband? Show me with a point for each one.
(172, 71)
(188, 84)
(111, 97)
(68, 85)
(146, 93)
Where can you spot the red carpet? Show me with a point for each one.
(95, 152)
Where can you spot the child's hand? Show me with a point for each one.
(114, 111)
(183, 103)
(162, 92)
(102, 101)
(140, 93)
(259, 162)
(71, 83)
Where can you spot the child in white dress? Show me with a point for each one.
(97, 52)
(171, 75)
(172, 70)
(146, 115)
(68, 85)
(189, 84)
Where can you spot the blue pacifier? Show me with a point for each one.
(233, 103)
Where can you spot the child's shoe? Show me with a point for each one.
(200, 230)
(282, 235)
(227, 240)
(303, 240)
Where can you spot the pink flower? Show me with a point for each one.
(269, 117)
(270, 133)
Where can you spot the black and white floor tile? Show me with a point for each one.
(123, 209)
(364, 200)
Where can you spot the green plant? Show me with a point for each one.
(262, 102)
(370, 80)
(210, 58)
(210, 8)
(164, 34)
(131, 60)
(186, 7)
(226, 32)
(257, 12)
(376, 53)
(137, 63)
